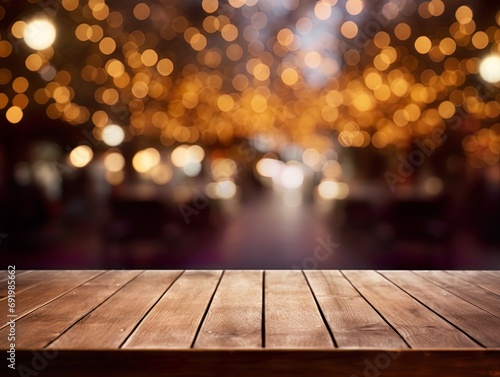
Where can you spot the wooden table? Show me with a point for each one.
(242, 323)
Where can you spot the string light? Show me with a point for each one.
(311, 82)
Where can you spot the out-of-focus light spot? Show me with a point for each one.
(258, 103)
(223, 168)
(322, 10)
(22, 173)
(210, 6)
(114, 162)
(312, 59)
(489, 69)
(14, 114)
(34, 62)
(433, 185)
(114, 178)
(423, 45)
(446, 109)
(402, 31)
(81, 156)
(332, 169)
(289, 76)
(304, 25)
(349, 29)
(184, 154)
(225, 103)
(165, 67)
(480, 40)
(48, 178)
(113, 135)
(39, 34)
(329, 189)
(141, 11)
(145, 160)
(192, 169)
(221, 190)
(47, 73)
(269, 167)
(180, 156)
(161, 174)
(291, 177)
(312, 158)
(464, 14)
(354, 7)
(196, 153)
(18, 29)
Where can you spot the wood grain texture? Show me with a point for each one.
(108, 325)
(28, 279)
(353, 322)
(477, 323)
(234, 318)
(48, 322)
(494, 273)
(476, 295)
(174, 320)
(271, 363)
(4, 274)
(480, 279)
(47, 291)
(419, 326)
(292, 318)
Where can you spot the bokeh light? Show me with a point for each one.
(113, 135)
(490, 69)
(39, 34)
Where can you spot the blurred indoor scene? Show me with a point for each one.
(250, 134)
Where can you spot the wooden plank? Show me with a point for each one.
(174, 320)
(4, 274)
(45, 324)
(494, 273)
(477, 323)
(109, 325)
(28, 279)
(269, 363)
(47, 291)
(476, 295)
(292, 318)
(234, 319)
(480, 279)
(353, 322)
(419, 326)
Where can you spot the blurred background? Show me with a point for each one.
(250, 134)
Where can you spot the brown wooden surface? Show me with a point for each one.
(418, 325)
(115, 319)
(45, 292)
(483, 327)
(235, 316)
(221, 323)
(43, 325)
(482, 279)
(292, 318)
(354, 323)
(482, 298)
(28, 279)
(175, 319)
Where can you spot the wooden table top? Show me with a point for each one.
(343, 315)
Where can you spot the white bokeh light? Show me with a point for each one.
(39, 34)
(291, 177)
(113, 135)
(490, 69)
